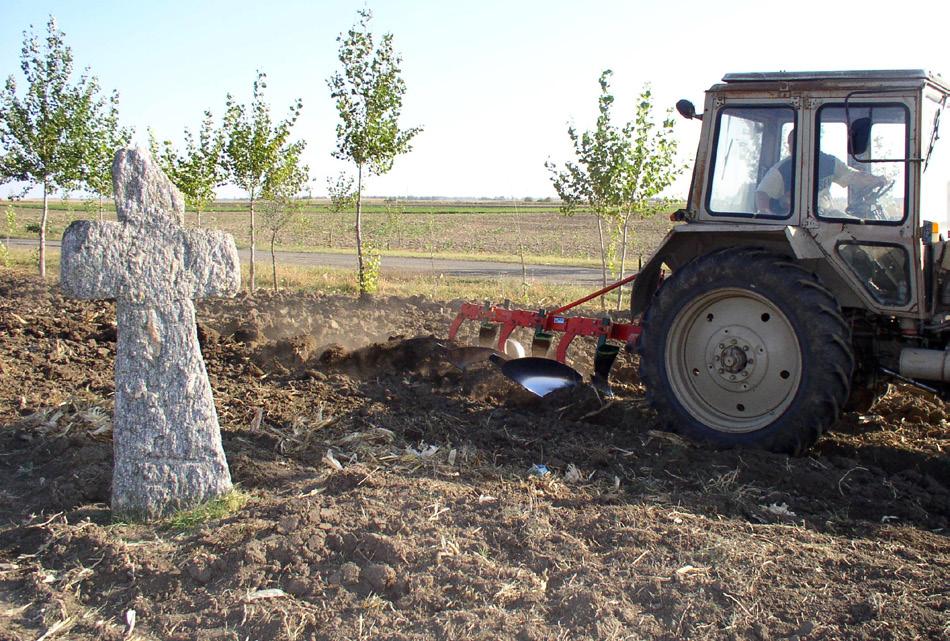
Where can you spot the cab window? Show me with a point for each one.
(867, 188)
(883, 269)
(753, 165)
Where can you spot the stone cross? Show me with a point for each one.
(167, 442)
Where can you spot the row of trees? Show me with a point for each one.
(248, 149)
(61, 134)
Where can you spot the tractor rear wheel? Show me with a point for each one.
(743, 347)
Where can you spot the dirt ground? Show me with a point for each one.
(434, 528)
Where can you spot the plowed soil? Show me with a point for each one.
(391, 497)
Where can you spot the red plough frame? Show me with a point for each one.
(553, 321)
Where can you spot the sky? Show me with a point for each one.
(492, 83)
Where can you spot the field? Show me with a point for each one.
(487, 229)
(432, 525)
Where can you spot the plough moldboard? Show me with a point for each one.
(538, 372)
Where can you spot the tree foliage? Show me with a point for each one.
(341, 191)
(256, 146)
(594, 179)
(48, 135)
(368, 90)
(106, 136)
(199, 169)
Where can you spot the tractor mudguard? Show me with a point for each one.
(683, 243)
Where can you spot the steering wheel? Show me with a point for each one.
(865, 201)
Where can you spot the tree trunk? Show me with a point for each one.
(623, 259)
(197, 217)
(252, 282)
(43, 228)
(100, 208)
(359, 230)
(273, 258)
(603, 256)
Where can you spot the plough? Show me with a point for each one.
(538, 372)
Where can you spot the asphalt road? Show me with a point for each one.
(560, 274)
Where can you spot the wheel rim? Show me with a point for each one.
(733, 360)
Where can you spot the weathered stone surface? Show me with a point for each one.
(144, 264)
(167, 442)
(143, 194)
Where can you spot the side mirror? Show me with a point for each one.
(859, 137)
(687, 109)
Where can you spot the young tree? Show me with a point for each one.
(106, 136)
(282, 206)
(595, 179)
(199, 170)
(368, 91)
(45, 134)
(618, 171)
(255, 147)
(650, 168)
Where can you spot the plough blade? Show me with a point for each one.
(541, 376)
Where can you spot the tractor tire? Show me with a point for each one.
(742, 347)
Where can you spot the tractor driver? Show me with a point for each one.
(773, 194)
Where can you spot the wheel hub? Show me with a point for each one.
(733, 359)
(736, 358)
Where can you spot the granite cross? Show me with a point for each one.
(167, 442)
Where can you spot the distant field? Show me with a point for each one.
(486, 228)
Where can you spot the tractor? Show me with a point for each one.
(806, 271)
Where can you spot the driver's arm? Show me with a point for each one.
(849, 177)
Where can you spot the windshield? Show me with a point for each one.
(753, 172)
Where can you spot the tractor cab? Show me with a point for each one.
(846, 166)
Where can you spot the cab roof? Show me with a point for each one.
(845, 77)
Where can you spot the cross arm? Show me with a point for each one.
(91, 264)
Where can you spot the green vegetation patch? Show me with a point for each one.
(213, 510)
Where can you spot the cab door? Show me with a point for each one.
(861, 204)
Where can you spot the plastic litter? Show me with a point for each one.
(539, 470)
